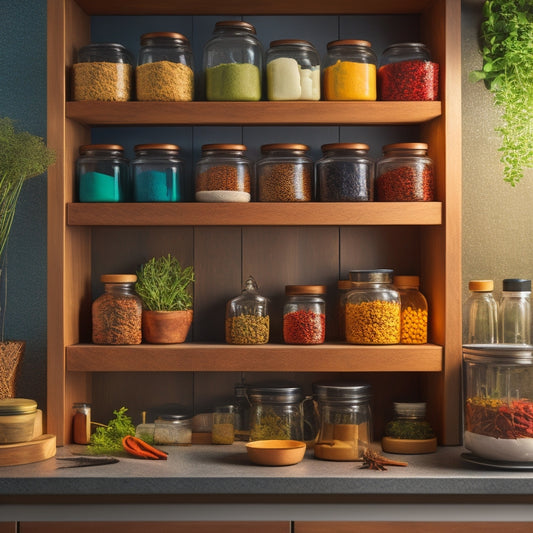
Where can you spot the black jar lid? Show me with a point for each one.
(276, 394)
(516, 285)
(339, 391)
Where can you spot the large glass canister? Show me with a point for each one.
(156, 173)
(165, 70)
(102, 72)
(247, 318)
(514, 311)
(498, 401)
(373, 308)
(304, 314)
(345, 420)
(350, 71)
(233, 63)
(414, 328)
(481, 311)
(292, 70)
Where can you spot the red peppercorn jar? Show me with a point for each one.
(304, 314)
(405, 174)
(407, 73)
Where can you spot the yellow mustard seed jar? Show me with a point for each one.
(414, 325)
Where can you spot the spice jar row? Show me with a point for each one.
(233, 64)
(284, 173)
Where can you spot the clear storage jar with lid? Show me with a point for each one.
(345, 420)
(498, 396)
(373, 308)
(514, 311)
(102, 72)
(117, 313)
(284, 173)
(345, 173)
(406, 72)
(350, 71)
(223, 430)
(233, 63)
(414, 323)
(173, 429)
(102, 173)
(405, 173)
(481, 311)
(292, 70)
(223, 174)
(156, 173)
(165, 69)
(17, 420)
(247, 318)
(304, 314)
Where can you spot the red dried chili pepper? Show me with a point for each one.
(304, 327)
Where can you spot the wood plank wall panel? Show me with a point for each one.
(412, 527)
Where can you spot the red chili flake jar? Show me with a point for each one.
(405, 174)
(304, 314)
(407, 73)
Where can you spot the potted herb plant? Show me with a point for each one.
(164, 288)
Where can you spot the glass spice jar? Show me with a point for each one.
(223, 174)
(514, 311)
(233, 63)
(405, 174)
(284, 173)
(81, 423)
(406, 72)
(223, 431)
(414, 324)
(292, 70)
(350, 71)
(165, 70)
(102, 72)
(247, 318)
(304, 314)
(173, 429)
(345, 173)
(373, 308)
(117, 313)
(156, 173)
(481, 311)
(102, 173)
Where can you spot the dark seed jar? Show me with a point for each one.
(405, 173)
(345, 173)
(304, 314)
(284, 173)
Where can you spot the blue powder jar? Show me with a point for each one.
(102, 173)
(157, 171)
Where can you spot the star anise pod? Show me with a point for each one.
(374, 461)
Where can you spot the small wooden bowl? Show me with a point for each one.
(276, 452)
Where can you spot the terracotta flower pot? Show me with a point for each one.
(166, 327)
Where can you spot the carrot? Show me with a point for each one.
(139, 448)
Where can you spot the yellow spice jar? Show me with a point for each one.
(414, 324)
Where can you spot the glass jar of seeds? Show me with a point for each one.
(223, 174)
(284, 173)
(304, 314)
(414, 310)
(173, 429)
(165, 70)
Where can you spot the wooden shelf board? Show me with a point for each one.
(202, 357)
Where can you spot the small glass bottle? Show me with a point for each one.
(350, 71)
(407, 73)
(223, 174)
(145, 431)
(414, 324)
(405, 173)
(284, 173)
(292, 70)
(156, 173)
(514, 311)
(304, 314)
(242, 413)
(102, 72)
(102, 173)
(233, 63)
(223, 431)
(345, 173)
(165, 70)
(373, 308)
(247, 318)
(174, 430)
(481, 311)
(81, 423)
(117, 313)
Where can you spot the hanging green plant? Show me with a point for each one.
(507, 49)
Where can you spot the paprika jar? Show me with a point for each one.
(405, 173)
(406, 72)
(233, 63)
(284, 173)
(117, 313)
(414, 325)
(373, 308)
(292, 70)
(304, 314)
(156, 172)
(350, 71)
(223, 174)
(345, 173)
(165, 68)
(102, 72)
(102, 173)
